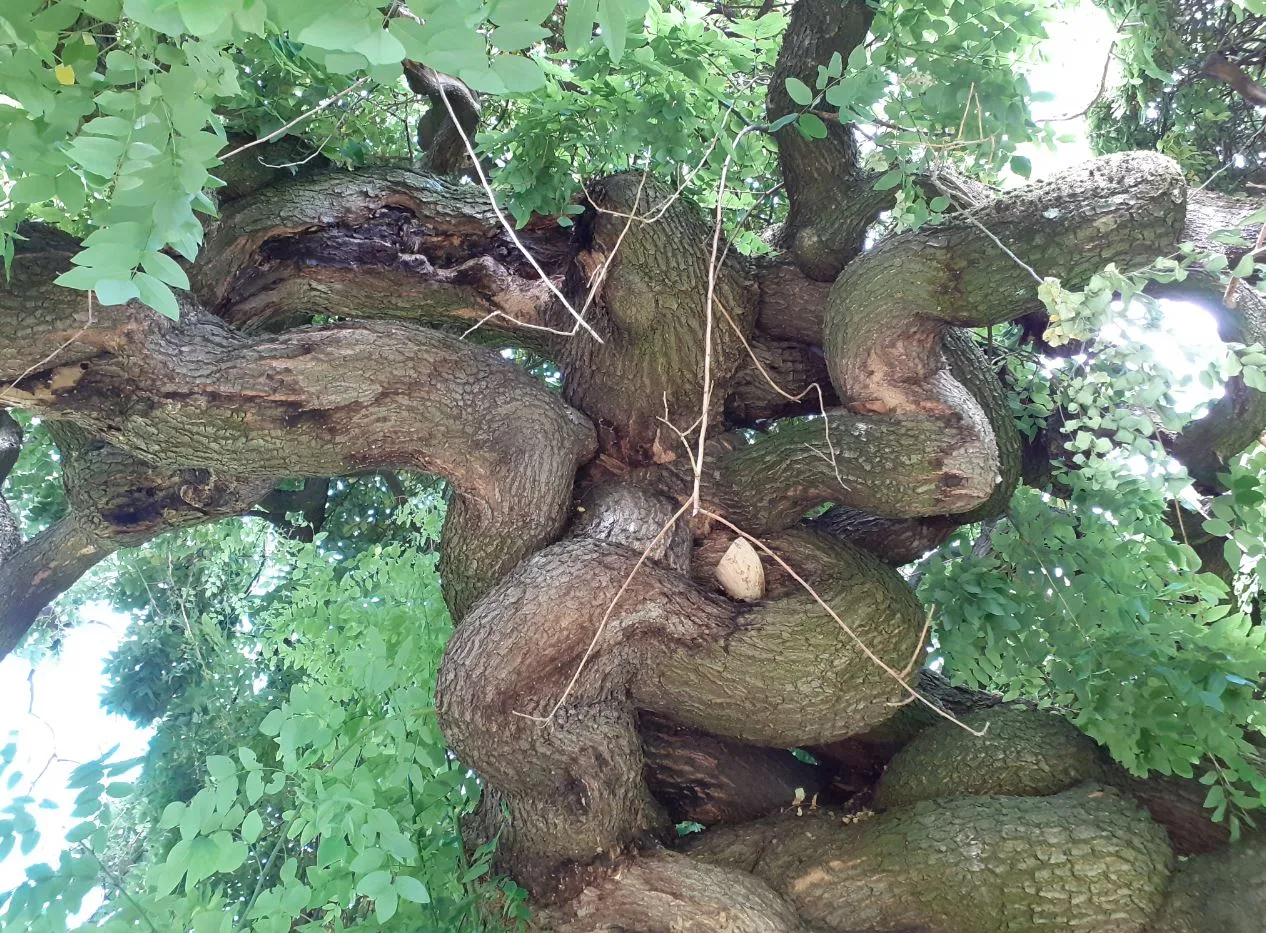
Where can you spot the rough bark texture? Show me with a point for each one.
(710, 780)
(599, 679)
(1082, 860)
(1022, 753)
(10, 448)
(831, 201)
(116, 501)
(645, 381)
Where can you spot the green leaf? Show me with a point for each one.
(890, 179)
(411, 889)
(374, 884)
(203, 17)
(367, 861)
(811, 126)
(339, 30)
(221, 767)
(231, 853)
(173, 868)
(504, 12)
(613, 21)
(1021, 166)
(385, 905)
(331, 850)
(514, 36)
(272, 723)
(841, 95)
(159, 15)
(97, 154)
(1217, 527)
(799, 92)
(578, 23)
(70, 191)
(254, 788)
(1215, 797)
(33, 189)
(519, 75)
(116, 291)
(204, 856)
(81, 832)
(155, 294)
(171, 815)
(381, 48)
(399, 845)
(252, 826)
(785, 120)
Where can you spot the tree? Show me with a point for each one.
(769, 322)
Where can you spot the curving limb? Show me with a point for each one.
(707, 779)
(115, 501)
(597, 666)
(650, 307)
(1084, 859)
(320, 401)
(443, 149)
(667, 891)
(10, 448)
(565, 753)
(389, 243)
(1221, 892)
(1235, 421)
(831, 201)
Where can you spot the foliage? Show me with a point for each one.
(91, 140)
(1089, 597)
(93, 129)
(330, 801)
(33, 488)
(1162, 102)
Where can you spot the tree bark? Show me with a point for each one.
(599, 681)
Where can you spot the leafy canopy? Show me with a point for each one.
(116, 115)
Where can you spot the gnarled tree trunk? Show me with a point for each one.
(599, 680)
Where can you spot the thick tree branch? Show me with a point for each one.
(666, 891)
(10, 448)
(386, 243)
(791, 306)
(776, 381)
(1222, 892)
(780, 673)
(43, 568)
(309, 501)
(324, 401)
(651, 310)
(712, 780)
(1083, 859)
(1235, 421)
(1218, 66)
(444, 150)
(909, 466)
(831, 201)
(116, 501)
